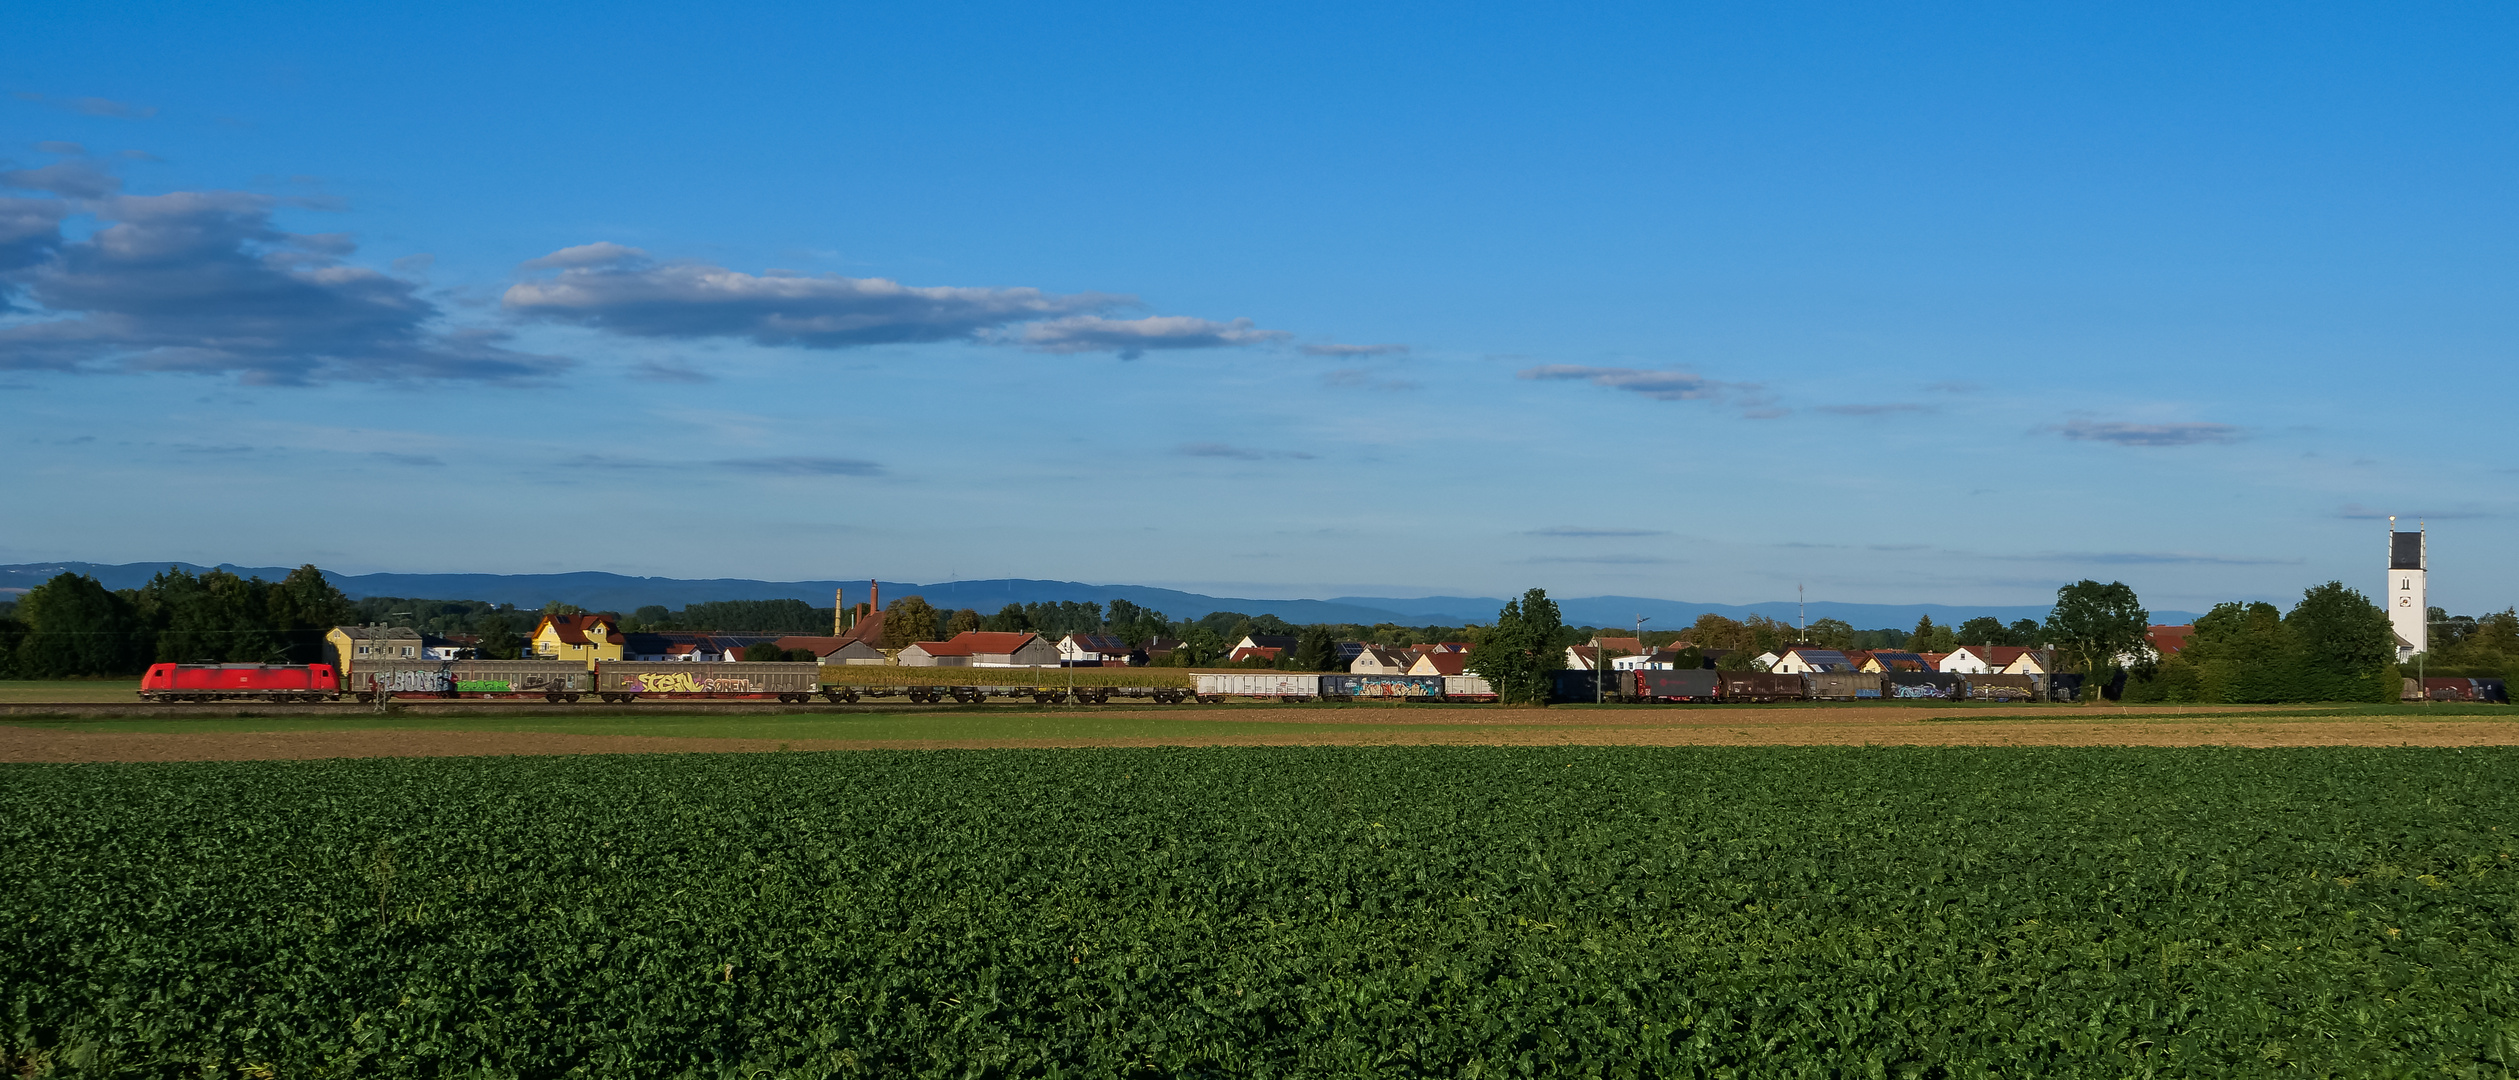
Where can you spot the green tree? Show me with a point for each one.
(557, 608)
(75, 626)
(12, 634)
(1984, 630)
(303, 607)
(2095, 624)
(2346, 646)
(1521, 650)
(1831, 634)
(763, 652)
(908, 619)
(964, 620)
(499, 640)
(1316, 650)
(2028, 634)
(1010, 620)
(650, 617)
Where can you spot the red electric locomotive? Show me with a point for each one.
(240, 682)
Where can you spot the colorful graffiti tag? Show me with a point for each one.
(407, 682)
(681, 682)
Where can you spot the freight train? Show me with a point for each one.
(622, 681)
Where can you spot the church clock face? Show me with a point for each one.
(2405, 601)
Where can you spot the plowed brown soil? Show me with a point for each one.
(1303, 727)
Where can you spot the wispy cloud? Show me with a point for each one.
(2358, 512)
(801, 466)
(1882, 409)
(1665, 384)
(1131, 338)
(621, 289)
(92, 106)
(1592, 532)
(2144, 558)
(420, 460)
(2147, 434)
(1360, 379)
(1952, 386)
(1236, 453)
(1352, 350)
(662, 371)
(1605, 560)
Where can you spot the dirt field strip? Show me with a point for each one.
(37, 745)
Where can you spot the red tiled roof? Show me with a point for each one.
(1445, 663)
(572, 628)
(2168, 640)
(973, 642)
(1248, 651)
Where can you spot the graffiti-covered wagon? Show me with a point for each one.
(625, 680)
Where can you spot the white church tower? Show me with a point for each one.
(2409, 599)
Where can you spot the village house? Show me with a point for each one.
(1802, 660)
(1268, 653)
(1657, 660)
(1968, 660)
(1376, 660)
(2018, 660)
(1582, 657)
(586, 638)
(1439, 662)
(1886, 661)
(982, 648)
(353, 645)
(1092, 649)
(1283, 643)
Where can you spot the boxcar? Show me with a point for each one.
(2001, 687)
(1926, 684)
(1467, 688)
(554, 681)
(1283, 686)
(2437, 688)
(1686, 684)
(408, 678)
(1843, 686)
(1760, 686)
(626, 680)
(240, 682)
(1382, 687)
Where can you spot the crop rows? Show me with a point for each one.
(1268, 912)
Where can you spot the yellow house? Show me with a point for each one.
(584, 638)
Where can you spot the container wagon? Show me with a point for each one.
(1843, 686)
(240, 682)
(2001, 687)
(628, 680)
(1686, 684)
(1280, 685)
(1467, 688)
(1569, 685)
(1760, 686)
(1927, 685)
(1382, 687)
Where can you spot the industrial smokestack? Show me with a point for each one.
(839, 610)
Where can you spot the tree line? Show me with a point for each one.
(72, 626)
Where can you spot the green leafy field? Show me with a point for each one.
(1269, 912)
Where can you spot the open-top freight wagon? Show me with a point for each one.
(621, 681)
(2438, 688)
(973, 685)
(240, 682)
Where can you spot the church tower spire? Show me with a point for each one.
(2409, 596)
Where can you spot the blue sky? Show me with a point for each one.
(1698, 302)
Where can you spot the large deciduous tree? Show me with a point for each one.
(75, 626)
(2095, 624)
(908, 619)
(1521, 650)
(2347, 647)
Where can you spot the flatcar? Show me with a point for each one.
(240, 682)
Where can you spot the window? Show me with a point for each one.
(362, 650)
(406, 650)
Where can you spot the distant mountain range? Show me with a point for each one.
(617, 592)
